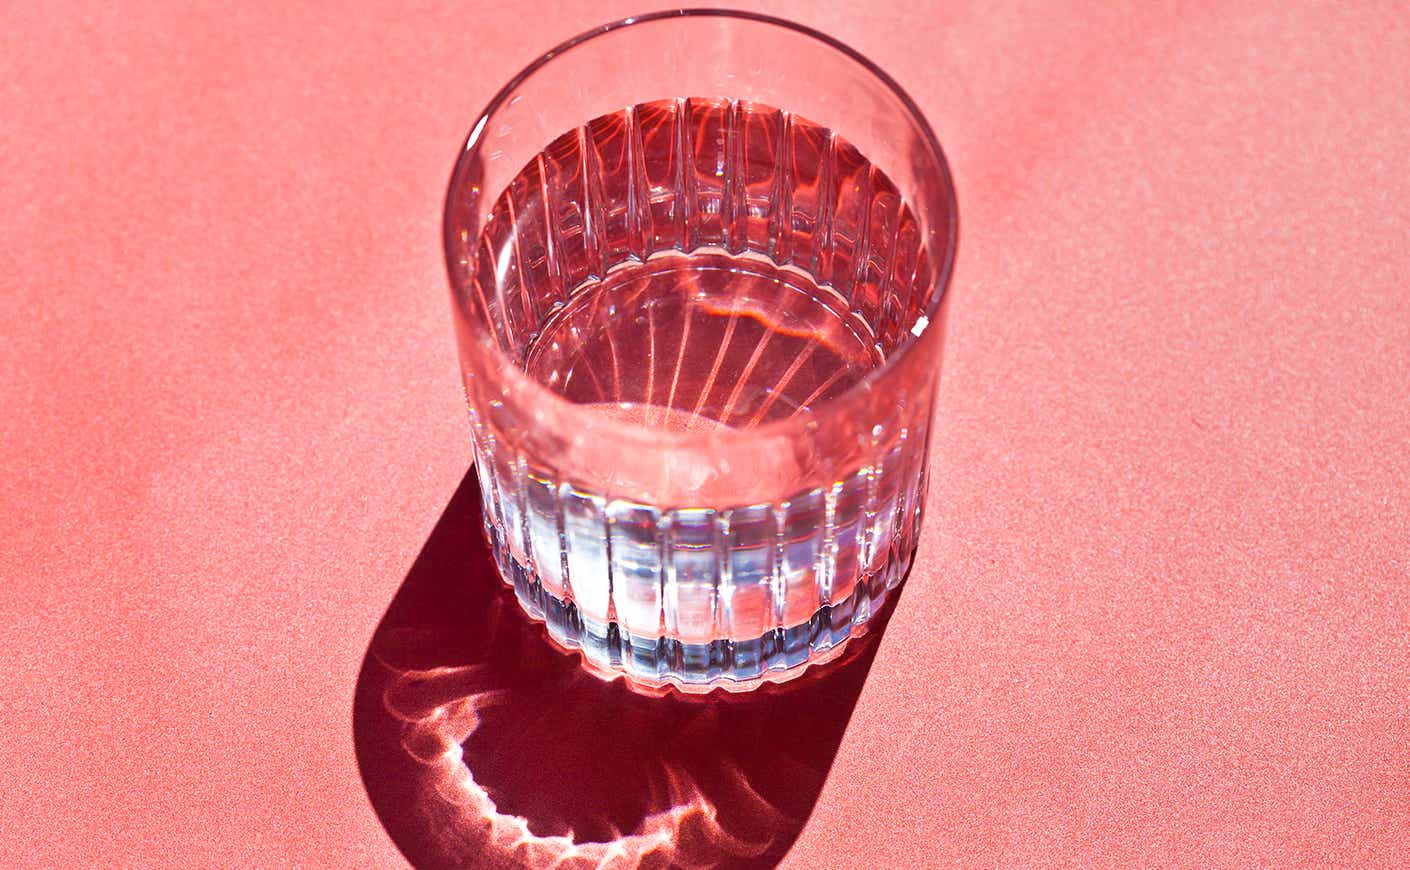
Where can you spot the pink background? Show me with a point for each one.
(1162, 609)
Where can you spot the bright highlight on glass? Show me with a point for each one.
(697, 261)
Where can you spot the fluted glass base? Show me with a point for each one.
(777, 655)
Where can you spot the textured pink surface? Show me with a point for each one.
(1162, 609)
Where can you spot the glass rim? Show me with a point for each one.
(545, 398)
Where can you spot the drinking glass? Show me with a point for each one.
(698, 261)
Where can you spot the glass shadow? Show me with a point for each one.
(481, 744)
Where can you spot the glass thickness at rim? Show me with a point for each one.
(547, 405)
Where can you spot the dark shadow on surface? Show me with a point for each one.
(483, 745)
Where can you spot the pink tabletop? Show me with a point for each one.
(1162, 608)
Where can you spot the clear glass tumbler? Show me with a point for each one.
(698, 260)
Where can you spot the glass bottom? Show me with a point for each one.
(780, 654)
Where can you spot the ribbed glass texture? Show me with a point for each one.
(700, 333)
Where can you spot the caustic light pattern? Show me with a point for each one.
(441, 708)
